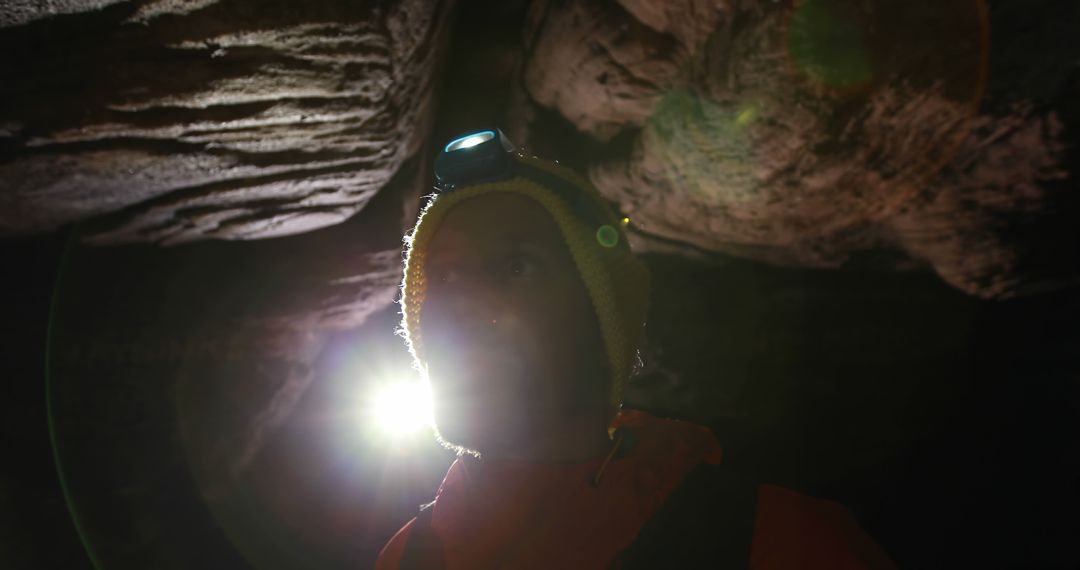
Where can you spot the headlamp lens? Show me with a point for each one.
(487, 156)
(470, 140)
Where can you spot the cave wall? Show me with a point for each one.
(802, 133)
(797, 134)
(167, 122)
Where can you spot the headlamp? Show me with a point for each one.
(488, 156)
(473, 158)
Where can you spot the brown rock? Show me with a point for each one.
(597, 65)
(211, 120)
(179, 365)
(800, 134)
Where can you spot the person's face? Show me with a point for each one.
(510, 335)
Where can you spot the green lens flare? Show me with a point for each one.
(51, 404)
(745, 116)
(826, 41)
(607, 236)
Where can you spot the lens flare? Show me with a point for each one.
(607, 236)
(401, 407)
(827, 41)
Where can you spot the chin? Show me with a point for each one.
(454, 444)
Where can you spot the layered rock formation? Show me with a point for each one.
(793, 133)
(800, 133)
(168, 122)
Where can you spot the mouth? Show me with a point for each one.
(476, 360)
(477, 374)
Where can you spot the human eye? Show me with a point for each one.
(445, 274)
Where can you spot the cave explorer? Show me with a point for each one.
(524, 305)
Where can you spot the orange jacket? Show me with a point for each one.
(514, 514)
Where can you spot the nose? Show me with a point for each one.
(465, 303)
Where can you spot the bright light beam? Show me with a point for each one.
(402, 407)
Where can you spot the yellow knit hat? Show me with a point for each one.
(617, 282)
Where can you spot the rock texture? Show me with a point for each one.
(799, 133)
(173, 121)
(172, 370)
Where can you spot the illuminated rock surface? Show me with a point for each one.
(169, 122)
(795, 135)
(801, 135)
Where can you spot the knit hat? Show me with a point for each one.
(617, 282)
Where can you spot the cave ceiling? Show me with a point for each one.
(170, 122)
(798, 134)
